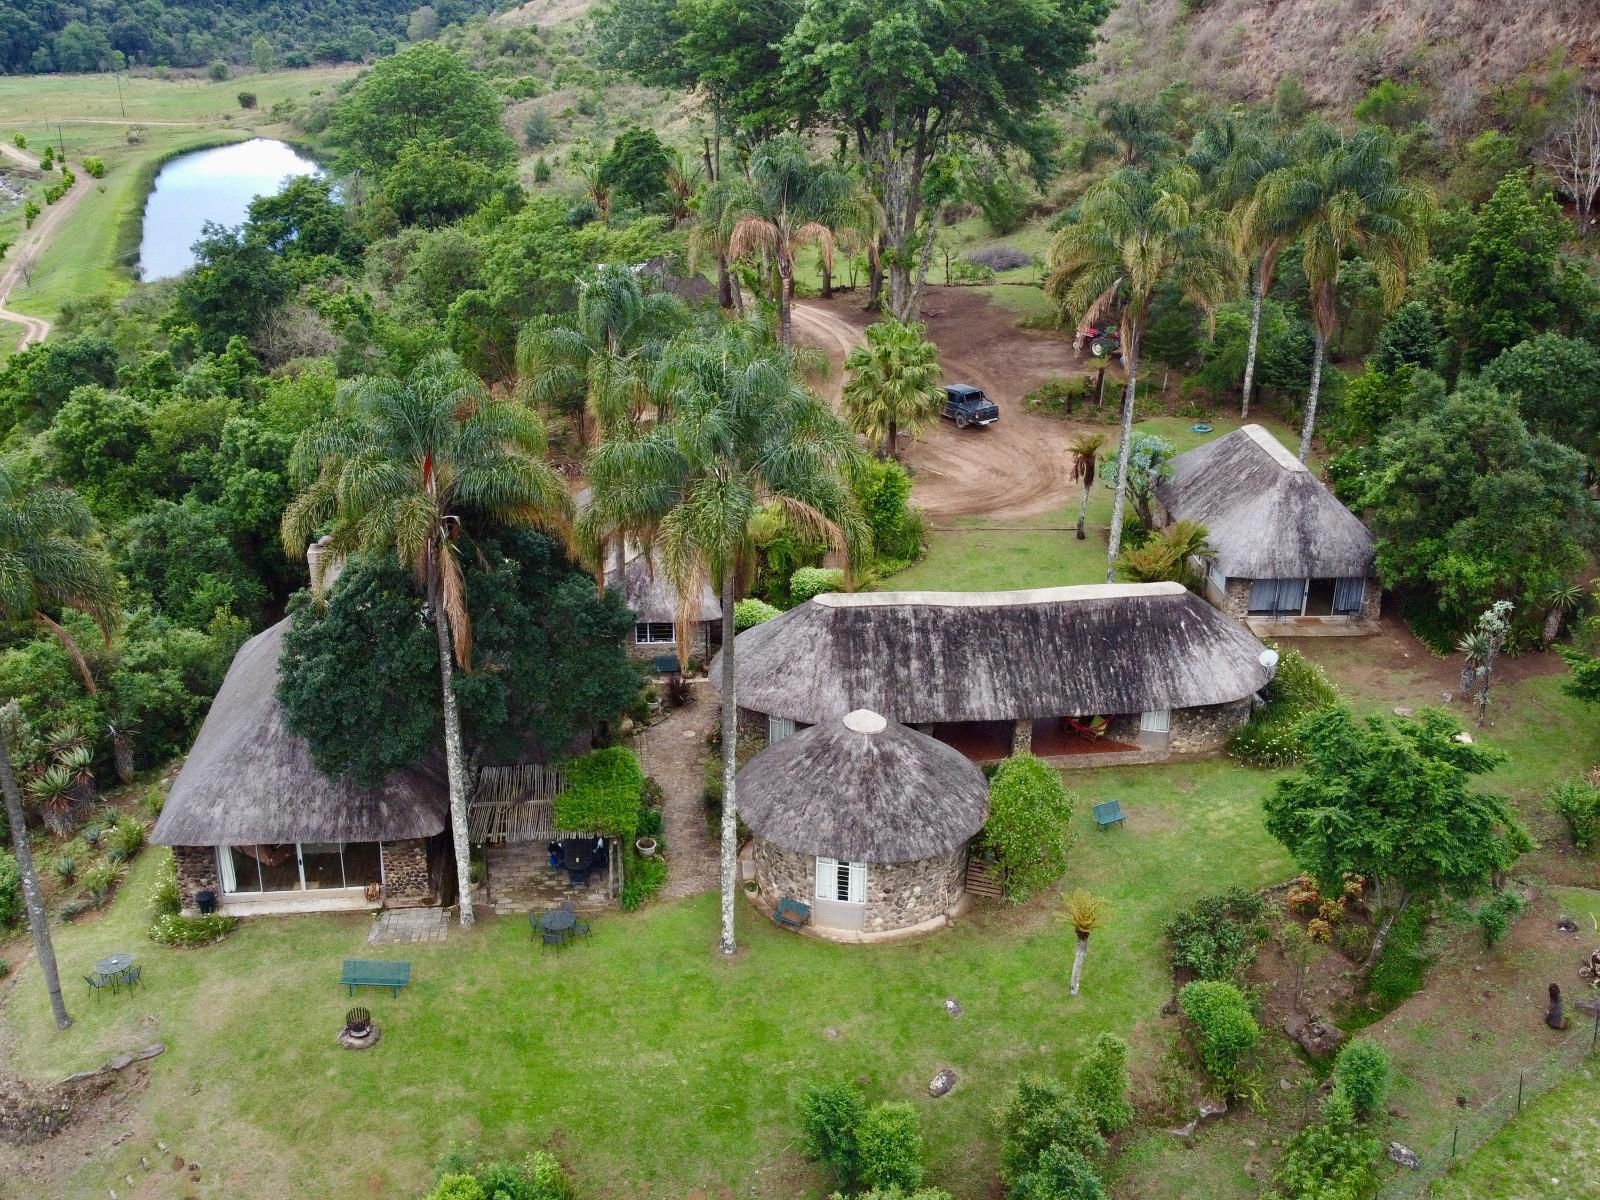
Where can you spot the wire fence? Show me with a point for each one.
(1476, 1126)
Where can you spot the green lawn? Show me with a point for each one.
(982, 554)
(1550, 1152)
(643, 1058)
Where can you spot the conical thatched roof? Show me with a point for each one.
(865, 789)
(996, 656)
(249, 780)
(652, 597)
(1268, 516)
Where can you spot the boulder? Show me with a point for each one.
(1404, 1155)
(1317, 1038)
(941, 1083)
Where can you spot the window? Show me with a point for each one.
(845, 882)
(1277, 597)
(1156, 721)
(778, 728)
(1217, 577)
(297, 867)
(653, 633)
(1348, 593)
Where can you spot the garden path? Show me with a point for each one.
(673, 753)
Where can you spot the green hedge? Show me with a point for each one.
(814, 581)
(10, 891)
(1030, 824)
(750, 612)
(604, 791)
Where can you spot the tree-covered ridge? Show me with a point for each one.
(46, 35)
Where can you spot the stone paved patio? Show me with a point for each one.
(409, 926)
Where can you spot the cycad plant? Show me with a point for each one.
(743, 434)
(892, 384)
(1085, 913)
(1136, 230)
(52, 794)
(403, 468)
(1169, 555)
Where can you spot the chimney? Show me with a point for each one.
(325, 567)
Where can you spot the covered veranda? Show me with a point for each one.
(528, 862)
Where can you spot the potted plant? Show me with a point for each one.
(646, 846)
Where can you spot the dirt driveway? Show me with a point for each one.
(1017, 467)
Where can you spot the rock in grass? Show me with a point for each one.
(941, 1083)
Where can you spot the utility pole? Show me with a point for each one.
(118, 79)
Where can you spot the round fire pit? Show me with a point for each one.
(360, 1032)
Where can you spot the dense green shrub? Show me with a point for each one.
(100, 880)
(899, 535)
(170, 930)
(1103, 1083)
(1403, 962)
(1333, 1159)
(1060, 1174)
(1362, 1074)
(814, 581)
(889, 1146)
(457, 1186)
(1578, 802)
(165, 899)
(11, 908)
(604, 790)
(1271, 737)
(642, 879)
(1029, 826)
(1216, 936)
(1494, 916)
(462, 1176)
(95, 167)
(750, 612)
(124, 839)
(1226, 1031)
(1042, 1113)
(832, 1114)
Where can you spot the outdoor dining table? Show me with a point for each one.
(114, 964)
(577, 854)
(558, 920)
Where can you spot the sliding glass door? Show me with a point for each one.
(298, 866)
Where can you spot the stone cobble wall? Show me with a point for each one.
(197, 872)
(405, 869)
(1206, 727)
(1236, 599)
(898, 894)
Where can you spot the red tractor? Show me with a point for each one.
(1104, 341)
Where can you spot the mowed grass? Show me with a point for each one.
(984, 554)
(1550, 1152)
(643, 1058)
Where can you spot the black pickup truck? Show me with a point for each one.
(967, 405)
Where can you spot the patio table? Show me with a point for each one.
(114, 964)
(559, 920)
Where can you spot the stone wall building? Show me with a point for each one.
(867, 822)
(1291, 560)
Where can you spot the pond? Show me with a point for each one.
(210, 185)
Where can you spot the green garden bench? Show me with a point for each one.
(365, 972)
(665, 664)
(1108, 813)
(791, 914)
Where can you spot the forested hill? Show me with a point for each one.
(47, 35)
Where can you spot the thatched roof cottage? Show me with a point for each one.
(657, 629)
(254, 822)
(1083, 675)
(1291, 559)
(865, 820)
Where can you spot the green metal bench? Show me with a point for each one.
(1108, 813)
(366, 972)
(665, 664)
(791, 914)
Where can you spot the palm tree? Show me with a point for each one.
(1085, 449)
(893, 384)
(743, 434)
(46, 565)
(607, 352)
(1086, 913)
(1136, 230)
(789, 202)
(683, 178)
(1169, 555)
(33, 897)
(1348, 197)
(1558, 601)
(1131, 133)
(398, 470)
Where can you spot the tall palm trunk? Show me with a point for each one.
(730, 761)
(785, 298)
(1320, 341)
(1255, 337)
(38, 922)
(1077, 961)
(455, 763)
(1120, 503)
(891, 440)
(1083, 512)
(74, 652)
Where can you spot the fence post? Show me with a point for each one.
(1519, 1090)
(1455, 1134)
(1594, 1039)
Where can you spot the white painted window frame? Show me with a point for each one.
(778, 728)
(826, 883)
(644, 633)
(1157, 720)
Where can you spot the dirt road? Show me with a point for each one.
(1017, 467)
(31, 245)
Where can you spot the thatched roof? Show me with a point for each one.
(865, 789)
(653, 598)
(1268, 516)
(249, 780)
(996, 656)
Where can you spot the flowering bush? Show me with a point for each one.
(1271, 737)
(173, 930)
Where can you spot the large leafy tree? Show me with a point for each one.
(743, 434)
(786, 203)
(357, 673)
(1468, 506)
(1135, 232)
(400, 469)
(423, 94)
(906, 79)
(1345, 197)
(893, 384)
(235, 282)
(1392, 800)
(1556, 383)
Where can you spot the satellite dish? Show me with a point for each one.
(1268, 658)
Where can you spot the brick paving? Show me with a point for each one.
(673, 754)
(409, 927)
